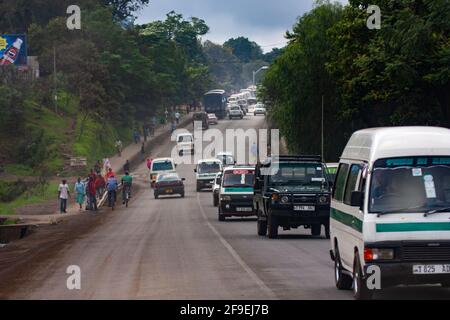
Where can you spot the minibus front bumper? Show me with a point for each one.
(397, 273)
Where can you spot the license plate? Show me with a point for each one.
(244, 209)
(304, 208)
(431, 268)
(169, 191)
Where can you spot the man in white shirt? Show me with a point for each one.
(63, 195)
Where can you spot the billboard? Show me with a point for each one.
(13, 49)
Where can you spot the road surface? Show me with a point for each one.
(176, 248)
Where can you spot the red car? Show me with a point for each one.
(168, 184)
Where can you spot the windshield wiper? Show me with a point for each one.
(430, 212)
(381, 213)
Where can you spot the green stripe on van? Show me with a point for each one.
(347, 219)
(238, 190)
(413, 226)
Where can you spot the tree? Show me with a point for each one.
(244, 49)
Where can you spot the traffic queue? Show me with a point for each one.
(385, 207)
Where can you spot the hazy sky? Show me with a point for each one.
(263, 21)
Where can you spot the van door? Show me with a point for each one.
(347, 221)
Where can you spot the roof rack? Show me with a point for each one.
(287, 158)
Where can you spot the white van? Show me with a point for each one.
(159, 166)
(390, 210)
(206, 171)
(185, 143)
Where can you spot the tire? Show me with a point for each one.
(198, 187)
(272, 227)
(360, 290)
(215, 200)
(327, 230)
(242, 117)
(182, 195)
(315, 229)
(220, 216)
(262, 227)
(156, 196)
(343, 281)
(230, 118)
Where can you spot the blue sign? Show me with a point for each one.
(13, 49)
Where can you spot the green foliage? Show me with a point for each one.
(11, 190)
(398, 75)
(244, 49)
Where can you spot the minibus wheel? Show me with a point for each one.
(360, 290)
(272, 226)
(262, 226)
(327, 230)
(343, 281)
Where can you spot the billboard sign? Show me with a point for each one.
(13, 49)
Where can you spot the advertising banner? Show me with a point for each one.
(13, 49)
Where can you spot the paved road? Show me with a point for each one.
(177, 249)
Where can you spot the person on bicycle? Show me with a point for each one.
(127, 181)
(111, 186)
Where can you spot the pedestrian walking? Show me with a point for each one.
(142, 152)
(119, 146)
(63, 196)
(177, 117)
(80, 191)
(111, 186)
(91, 191)
(98, 168)
(149, 163)
(174, 126)
(126, 166)
(136, 136)
(110, 173)
(100, 184)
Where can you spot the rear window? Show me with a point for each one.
(239, 178)
(162, 165)
(168, 177)
(208, 167)
(187, 138)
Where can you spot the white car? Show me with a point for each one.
(235, 112)
(216, 189)
(226, 158)
(259, 109)
(161, 165)
(206, 171)
(185, 143)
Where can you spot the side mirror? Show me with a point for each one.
(183, 179)
(357, 199)
(195, 170)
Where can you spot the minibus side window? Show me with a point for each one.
(338, 191)
(353, 178)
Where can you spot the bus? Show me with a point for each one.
(215, 101)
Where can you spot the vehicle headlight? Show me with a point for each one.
(323, 199)
(225, 198)
(371, 254)
(284, 199)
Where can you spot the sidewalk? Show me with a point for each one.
(131, 152)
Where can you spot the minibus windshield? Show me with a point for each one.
(412, 184)
(305, 176)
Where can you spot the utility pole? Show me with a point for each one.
(55, 95)
(322, 132)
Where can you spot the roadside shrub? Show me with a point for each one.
(10, 191)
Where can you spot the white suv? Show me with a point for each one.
(185, 143)
(206, 171)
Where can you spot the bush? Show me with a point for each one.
(10, 191)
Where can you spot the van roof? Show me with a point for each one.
(209, 160)
(162, 160)
(389, 142)
(237, 167)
